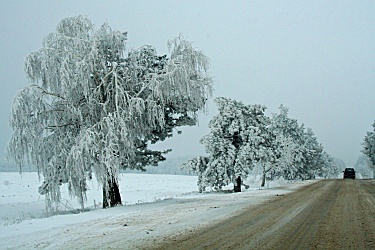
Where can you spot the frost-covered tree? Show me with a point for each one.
(93, 106)
(301, 156)
(311, 156)
(238, 139)
(362, 167)
(328, 168)
(288, 141)
(198, 165)
(287, 158)
(369, 147)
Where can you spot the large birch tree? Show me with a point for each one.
(93, 106)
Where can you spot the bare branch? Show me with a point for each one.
(46, 92)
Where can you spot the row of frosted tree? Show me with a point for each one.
(242, 137)
(93, 106)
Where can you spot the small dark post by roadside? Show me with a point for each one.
(237, 188)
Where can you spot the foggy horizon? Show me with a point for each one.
(316, 58)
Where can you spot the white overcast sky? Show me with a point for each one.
(315, 57)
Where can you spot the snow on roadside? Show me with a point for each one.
(129, 227)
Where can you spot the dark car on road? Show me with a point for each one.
(349, 173)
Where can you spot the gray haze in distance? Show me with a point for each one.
(315, 57)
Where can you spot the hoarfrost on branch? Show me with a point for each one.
(93, 106)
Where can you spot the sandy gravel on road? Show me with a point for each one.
(329, 214)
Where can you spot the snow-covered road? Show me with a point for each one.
(329, 214)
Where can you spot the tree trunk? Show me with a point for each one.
(263, 176)
(111, 197)
(237, 184)
(263, 179)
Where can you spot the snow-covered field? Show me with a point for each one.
(155, 206)
(20, 200)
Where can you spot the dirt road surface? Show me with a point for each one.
(329, 214)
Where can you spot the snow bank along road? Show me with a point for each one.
(329, 214)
